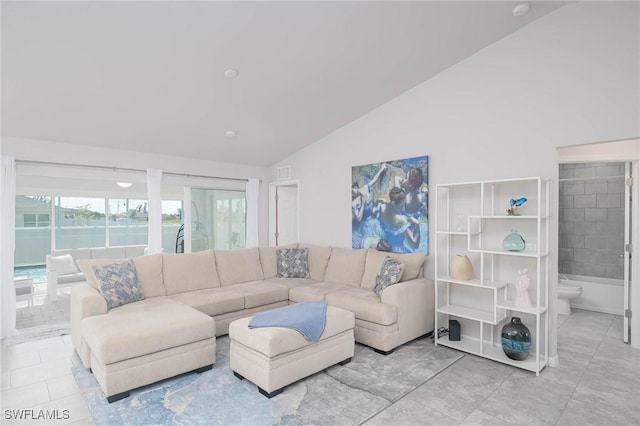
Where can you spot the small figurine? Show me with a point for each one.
(513, 210)
(522, 285)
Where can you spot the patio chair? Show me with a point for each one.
(24, 289)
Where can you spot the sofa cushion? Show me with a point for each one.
(318, 260)
(269, 260)
(365, 305)
(63, 265)
(143, 328)
(149, 270)
(239, 266)
(118, 283)
(259, 293)
(313, 292)
(292, 263)
(389, 274)
(292, 282)
(212, 301)
(413, 263)
(86, 266)
(346, 266)
(189, 271)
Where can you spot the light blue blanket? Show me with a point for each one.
(308, 318)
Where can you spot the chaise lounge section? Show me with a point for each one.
(189, 299)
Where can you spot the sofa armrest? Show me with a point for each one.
(414, 300)
(86, 301)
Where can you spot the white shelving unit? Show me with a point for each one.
(471, 219)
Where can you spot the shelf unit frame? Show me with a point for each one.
(490, 319)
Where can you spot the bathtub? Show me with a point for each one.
(598, 294)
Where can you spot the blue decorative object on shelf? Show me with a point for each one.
(513, 241)
(514, 204)
(516, 340)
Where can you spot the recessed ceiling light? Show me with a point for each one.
(124, 184)
(231, 133)
(231, 73)
(520, 9)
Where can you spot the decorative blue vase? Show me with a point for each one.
(516, 340)
(513, 241)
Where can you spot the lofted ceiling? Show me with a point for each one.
(149, 76)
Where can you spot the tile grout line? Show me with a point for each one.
(584, 370)
(490, 395)
(393, 402)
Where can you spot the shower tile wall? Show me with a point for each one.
(592, 219)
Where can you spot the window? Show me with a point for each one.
(30, 220)
(128, 222)
(43, 220)
(218, 219)
(80, 222)
(171, 222)
(33, 236)
(36, 220)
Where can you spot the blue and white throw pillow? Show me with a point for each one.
(118, 283)
(389, 274)
(293, 263)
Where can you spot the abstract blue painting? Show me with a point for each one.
(389, 206)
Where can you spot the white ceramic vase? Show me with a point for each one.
(461, 268)
(522, 285)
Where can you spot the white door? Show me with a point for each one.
(283, 213)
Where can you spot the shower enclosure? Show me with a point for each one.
(594, 232)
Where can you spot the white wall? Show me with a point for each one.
(37, 150)
(571, 77)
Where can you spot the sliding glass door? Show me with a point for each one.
(128, 222)
(218, 219)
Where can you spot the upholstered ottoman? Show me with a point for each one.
(147, 341)
(274, 357)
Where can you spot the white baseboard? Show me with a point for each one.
(603, 310)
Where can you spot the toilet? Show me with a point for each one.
(567, 292)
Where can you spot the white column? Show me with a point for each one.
(154, 196)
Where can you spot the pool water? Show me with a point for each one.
(38, 273)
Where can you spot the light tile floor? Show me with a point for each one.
(36, 378)
(43, 311)
(596, 383)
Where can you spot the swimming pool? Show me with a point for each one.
(38, 273)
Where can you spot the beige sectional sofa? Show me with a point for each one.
(202, 293)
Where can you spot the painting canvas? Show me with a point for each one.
(389, 206)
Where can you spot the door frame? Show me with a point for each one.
(273, 188)
(621, 151)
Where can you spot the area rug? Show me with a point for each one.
(340, 395)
